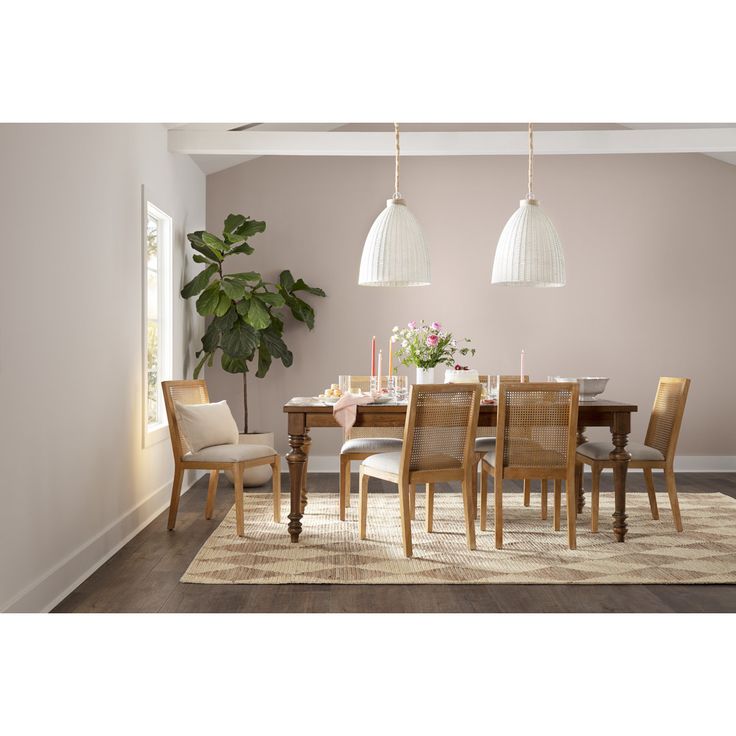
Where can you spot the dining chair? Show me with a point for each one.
(657, 451)
(439, 431)
(235, 458)
(537, 430)
(486, 442)
(362, 442)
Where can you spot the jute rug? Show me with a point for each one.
(329, 550)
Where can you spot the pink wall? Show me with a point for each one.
(651, 256)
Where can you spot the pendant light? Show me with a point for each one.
(529, 252)
(394, 253)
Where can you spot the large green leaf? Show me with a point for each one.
(198, 367)
(242, 248)
(234, 289)
(301, 286)
(275, 300)
(258, 315)
(211, 338)
(199, 282)
(276, 346)
(213, 242)
(232, 222)
(249, 227)
(286, 280)
(201, 259)
(245, 276)
(209, 299)
(264, 360)
(233, 365)
(240, 342)
(301, 311)
(225, 322)
(223, 305)
(198, 244)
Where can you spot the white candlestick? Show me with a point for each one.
(380, 365)
(521, 372)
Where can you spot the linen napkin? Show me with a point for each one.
(346, 409)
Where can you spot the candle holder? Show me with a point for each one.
(399, 387)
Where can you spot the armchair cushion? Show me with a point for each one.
(205, 425)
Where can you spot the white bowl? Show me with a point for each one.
(590, 387)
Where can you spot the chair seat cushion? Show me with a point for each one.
(371, 444)
(387, 462)
(229, 453)
(601, 451)
(485, 444)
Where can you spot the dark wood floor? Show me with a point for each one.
(144, 577)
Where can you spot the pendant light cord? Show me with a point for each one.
(397, 193)
(530, 194)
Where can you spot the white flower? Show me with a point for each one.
(395, 329)
(404, 343)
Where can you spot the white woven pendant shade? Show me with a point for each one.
(394, 253)
(529, 252)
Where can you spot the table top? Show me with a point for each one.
(300, 404)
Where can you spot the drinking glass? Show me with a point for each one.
(400, 387)
(492, 387)
(344, 384)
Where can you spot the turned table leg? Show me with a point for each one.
(620, 457)
(306, 447)
(579, 489)
(297, 460)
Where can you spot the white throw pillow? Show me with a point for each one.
(205, 425)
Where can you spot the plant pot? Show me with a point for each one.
(262, 474)
(425, 375)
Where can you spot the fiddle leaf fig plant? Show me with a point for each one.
(245, 313)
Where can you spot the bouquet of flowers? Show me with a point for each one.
(427, 345)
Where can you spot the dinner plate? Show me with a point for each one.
(384, 399)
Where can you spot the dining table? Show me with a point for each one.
(304, 414)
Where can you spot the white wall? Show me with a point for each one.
(75, 481)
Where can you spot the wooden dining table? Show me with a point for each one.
(304, 415)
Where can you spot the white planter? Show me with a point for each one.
(262, 474)
(425, 375)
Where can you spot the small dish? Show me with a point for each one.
(590, 387)
(383, 399)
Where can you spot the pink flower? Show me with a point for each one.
(432, 341)
(412, 325)
(436, 326)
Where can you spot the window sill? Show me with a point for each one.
(154, 434)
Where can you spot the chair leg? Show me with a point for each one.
(572, 511)
(362, 502)
(475, 490)
(595, 497)
(430, 506)
(405, 504)
(238, 484)
(468, 494)
(669, 476)
(175, 493)
(276, 485)
(211, 493)
(557, 504)
(498, 509)
(544, 499)
(527, 492)
(652, 494)
(412, 501)
(344, 484)
(483, 498)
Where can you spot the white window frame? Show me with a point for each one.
(158, 432)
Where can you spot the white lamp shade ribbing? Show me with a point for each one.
(394, 253)
(529, 252)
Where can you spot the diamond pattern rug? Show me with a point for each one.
(329, 550)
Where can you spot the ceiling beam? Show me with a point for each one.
(470, 143)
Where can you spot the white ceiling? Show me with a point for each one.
(506, 138)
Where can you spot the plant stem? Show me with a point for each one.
(245, 404)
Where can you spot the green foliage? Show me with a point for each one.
(247, 313)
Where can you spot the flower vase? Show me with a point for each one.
(425, 375)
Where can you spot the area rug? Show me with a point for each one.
(329, 550)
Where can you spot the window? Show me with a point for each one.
(157, 319)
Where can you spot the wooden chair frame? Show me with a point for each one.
(407, 479)
(179, 449)
(666, 465)
(558, 474)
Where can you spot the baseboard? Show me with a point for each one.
(52, 587)
(683, 464)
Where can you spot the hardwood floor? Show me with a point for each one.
(144, 575)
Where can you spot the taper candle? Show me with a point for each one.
(373, 356)
(390, 358)
(380, 361)
(521, 370)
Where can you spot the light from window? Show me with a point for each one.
(158, 312)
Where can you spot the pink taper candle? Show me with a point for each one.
(373, 356)
(521, 374)
(380, 361)
(390, 358)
